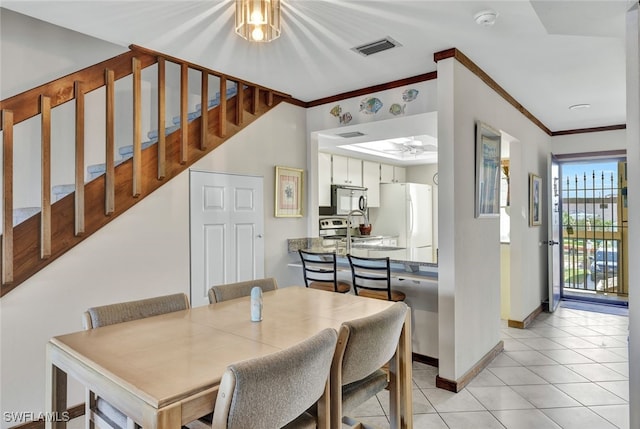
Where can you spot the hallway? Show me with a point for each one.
(569, 370)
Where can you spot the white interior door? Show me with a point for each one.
(554, 234)
(227, 227)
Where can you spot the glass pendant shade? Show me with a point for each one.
(258, 20)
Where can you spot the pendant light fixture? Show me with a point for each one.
(258, 20)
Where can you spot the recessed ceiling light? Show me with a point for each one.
(486, 18)
(580, 106)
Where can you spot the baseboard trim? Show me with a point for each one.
(417, 357)
(459, 384)
(527, 321)
(72, 413)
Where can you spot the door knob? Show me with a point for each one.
(259, 235)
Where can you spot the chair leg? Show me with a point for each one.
(89, 406)
(350, 423)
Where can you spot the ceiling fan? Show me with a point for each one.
(411, 146)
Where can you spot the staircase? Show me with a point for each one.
(33, 237)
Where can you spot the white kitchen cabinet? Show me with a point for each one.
(371, 181)
(324, 179)
(386, 173)
(392, 174)
(347, 171)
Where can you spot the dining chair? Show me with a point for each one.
(229, 291)
(97, 410)
(364, 346)
(320, 272)
(371, 278)
(274, 391)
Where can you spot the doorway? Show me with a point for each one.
(226, 230)
(593, 240)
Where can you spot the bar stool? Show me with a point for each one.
(320, 272)
(371, 278)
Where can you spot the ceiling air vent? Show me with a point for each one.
(377, 46)
(350, 134)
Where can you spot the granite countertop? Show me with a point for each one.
(420, 261)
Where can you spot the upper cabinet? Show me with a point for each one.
(347, 171)
(399, 174)
(392, 174)
(324, 179)
(344, 170)
(371, 181)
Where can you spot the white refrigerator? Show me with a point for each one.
(406, 211)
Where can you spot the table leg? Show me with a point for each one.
(89, 406)
(56, 395)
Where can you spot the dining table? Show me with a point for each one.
(163, 372)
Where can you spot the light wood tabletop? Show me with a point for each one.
(164, 371)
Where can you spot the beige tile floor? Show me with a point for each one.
(569, 370)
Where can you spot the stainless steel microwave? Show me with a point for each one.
(347, 198)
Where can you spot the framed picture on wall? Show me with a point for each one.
(535, 200)
(487, 186)
(289, 192)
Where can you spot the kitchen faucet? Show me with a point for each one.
(351, 213)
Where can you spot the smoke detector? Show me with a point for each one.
(486, 18)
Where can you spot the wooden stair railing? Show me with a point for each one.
(33, 244)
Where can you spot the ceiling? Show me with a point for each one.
(547, 54)
(423, 128)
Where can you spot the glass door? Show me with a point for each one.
(593, 209)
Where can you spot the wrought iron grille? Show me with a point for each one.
(594, 232)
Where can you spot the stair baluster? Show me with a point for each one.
(109, 177)
(7, 197)
(162, 138)
(45, 156)
(137, 128)
(96, 202)
(79, 173)
(184, 112)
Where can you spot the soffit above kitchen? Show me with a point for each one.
(547, 54)
(408, 140)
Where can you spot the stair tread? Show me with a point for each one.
(153, 134)
(23, 213)
(62, 227)
(127, 150)
(102, 167)
(63, 188)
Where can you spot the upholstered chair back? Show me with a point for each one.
(110, 314)
(372, 342)
(236, 290)
(274, 391)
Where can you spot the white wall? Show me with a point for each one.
(589, 142)
(633, 159)
(32, 53)
(35, 52)
(319, 118)
(142, 253)
(277, 139)
(469, 269)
